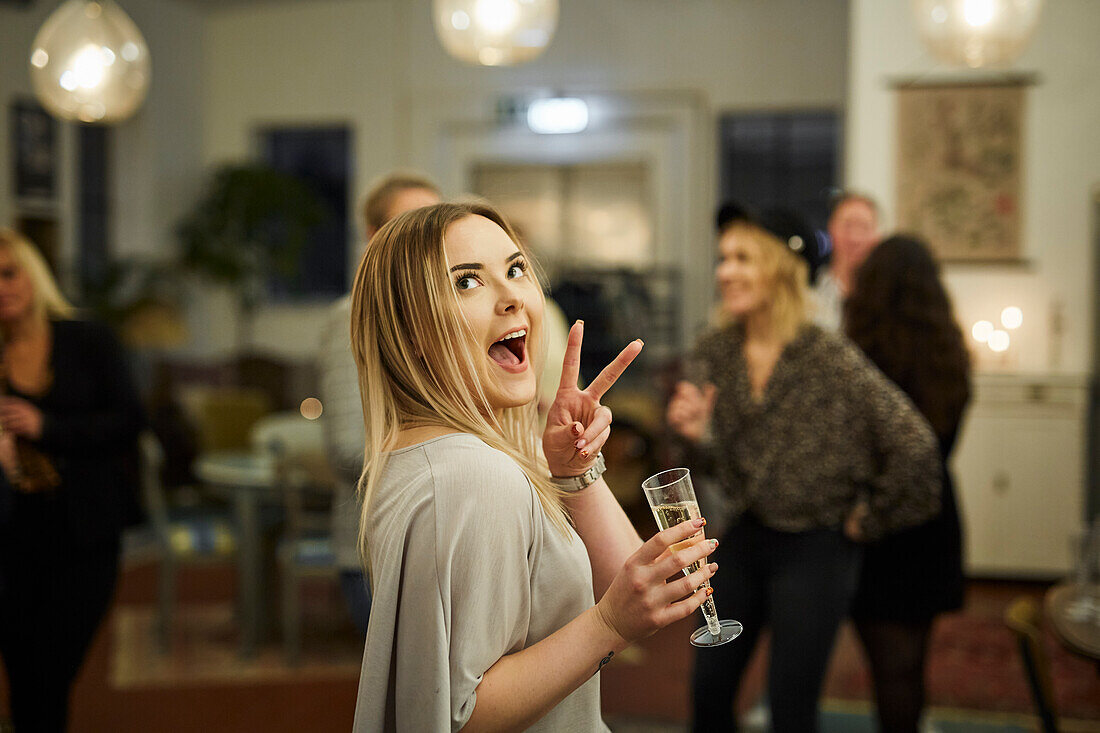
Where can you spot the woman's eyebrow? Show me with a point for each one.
(479, 266)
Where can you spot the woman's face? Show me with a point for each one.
(502, 302)
(741, 280)
(16, 289)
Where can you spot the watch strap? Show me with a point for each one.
(571, 484)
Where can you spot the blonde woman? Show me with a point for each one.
(486, 560)
(813, 449)
(70, 418)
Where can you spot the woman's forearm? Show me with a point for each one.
(607, 534)
(521, 688)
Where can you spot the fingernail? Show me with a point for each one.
(584, 454)
(699, 522)
(576, 429)
(579, 444)
(713, 543)
(710, 592)
(580, 321)
(713, 567)
(640, 342)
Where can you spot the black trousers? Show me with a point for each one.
(800, 584)
(54, 599)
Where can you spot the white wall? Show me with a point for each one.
(376, 65)
(1061, 167)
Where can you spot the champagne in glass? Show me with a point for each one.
(671, 497)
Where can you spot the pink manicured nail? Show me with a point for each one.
(699, 522)
(577, 429)
(579, 444)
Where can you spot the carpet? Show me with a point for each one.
(203, 651)
(973, 665)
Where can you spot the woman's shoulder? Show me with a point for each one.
(84, 331)
(462, 484)
(827, 345)
(463, 467)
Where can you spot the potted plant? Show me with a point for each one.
(251, 223)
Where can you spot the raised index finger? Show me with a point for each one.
(666, 538)
(571, 364)
(615, 369)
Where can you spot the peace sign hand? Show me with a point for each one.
(577, 425)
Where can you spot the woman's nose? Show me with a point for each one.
(509, 300)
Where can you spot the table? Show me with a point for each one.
(1082, 637)
(246, 479)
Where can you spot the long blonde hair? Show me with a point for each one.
(48, 301)
(787, 276)
(403, 309)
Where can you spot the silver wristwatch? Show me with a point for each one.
(570, 484)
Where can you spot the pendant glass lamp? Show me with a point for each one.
(495, 32)
(89, 62)
(977, 33)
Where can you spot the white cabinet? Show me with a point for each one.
(1020, 474)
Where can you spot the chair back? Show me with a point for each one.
(226, 416)
(152, 489)
(302, 475)
(1024, 617)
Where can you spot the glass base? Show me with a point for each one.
(730, 631)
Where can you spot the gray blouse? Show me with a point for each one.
(829, 429)
(466, 568)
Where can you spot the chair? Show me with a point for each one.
(224, 416)
(179, 535)
(1024, 617)
(305, 483)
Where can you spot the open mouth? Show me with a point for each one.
(510, 351)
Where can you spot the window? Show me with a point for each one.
(321, 157)
(780, 160)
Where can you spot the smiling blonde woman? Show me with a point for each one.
(487, 559)
(812, 448)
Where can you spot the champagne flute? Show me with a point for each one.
(671, 497)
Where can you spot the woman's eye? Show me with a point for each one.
(516, 271)
(466, 282)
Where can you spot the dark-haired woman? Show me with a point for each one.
(900, 315)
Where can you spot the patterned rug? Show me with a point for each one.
(203, 651)
(975, 676)
(974, 665)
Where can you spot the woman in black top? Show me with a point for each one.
(70, 418)
(900, 315)
(799, 430)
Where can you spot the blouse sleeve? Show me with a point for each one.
(905, 488)
(702, 454)
(472, 605)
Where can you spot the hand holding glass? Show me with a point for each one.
(671, 496)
